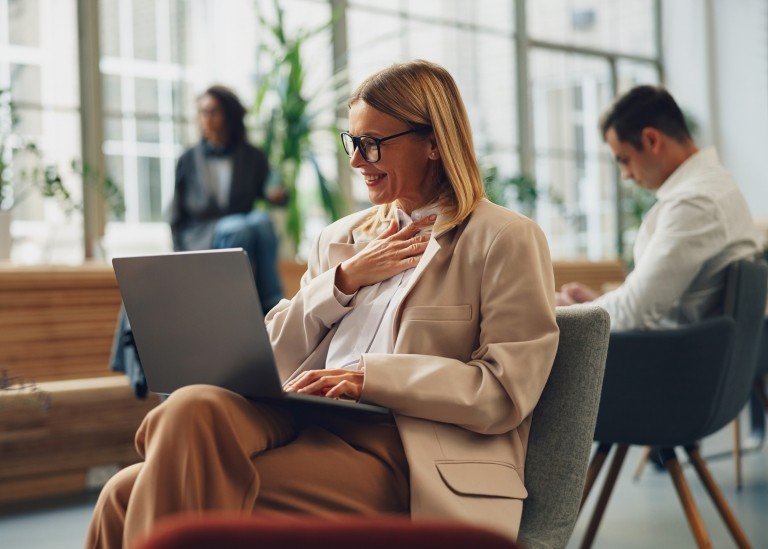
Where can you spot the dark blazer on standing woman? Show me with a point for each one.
(195, 209)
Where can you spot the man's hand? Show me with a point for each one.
(391, 253)
(334, 383)
(575, 292)
(277, 195)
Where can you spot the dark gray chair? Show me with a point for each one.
(759, 404)
(563, 427)
(670, 388)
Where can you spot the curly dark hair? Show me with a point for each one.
(234, 111)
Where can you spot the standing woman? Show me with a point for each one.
(434, 303)
(218, 182)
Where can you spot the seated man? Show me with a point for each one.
(699, 224)
(217, 183)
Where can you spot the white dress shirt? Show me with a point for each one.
(367, 328)
(699, 224)
(220, 178)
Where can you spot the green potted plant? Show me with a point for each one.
(287, 122)
(526, 193)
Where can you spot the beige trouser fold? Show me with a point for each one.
(206, 448)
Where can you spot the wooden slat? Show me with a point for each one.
(57, 322)
(290, 276)
(48, 445)
(595, 274)
(38, 487)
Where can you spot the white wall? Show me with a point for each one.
(716, 60)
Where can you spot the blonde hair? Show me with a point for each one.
(424, 95)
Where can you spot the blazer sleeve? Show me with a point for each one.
(298, 326)
(512, 352)
(178, 213)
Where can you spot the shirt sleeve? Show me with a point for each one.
(688, 232)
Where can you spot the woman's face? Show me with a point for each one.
(210, 116)
(405, 172)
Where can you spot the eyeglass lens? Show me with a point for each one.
(369, 147)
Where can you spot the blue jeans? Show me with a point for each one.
(254, 233)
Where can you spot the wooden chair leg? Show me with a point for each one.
(642, 462)
(686, 498)
(595, 466)
(605, 494)
(717, 497)
(737, 450)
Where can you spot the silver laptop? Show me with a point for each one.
(196, 318)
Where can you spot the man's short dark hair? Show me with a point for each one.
(645, 107)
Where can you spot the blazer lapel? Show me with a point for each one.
(339, 251)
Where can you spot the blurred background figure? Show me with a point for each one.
(218, 182)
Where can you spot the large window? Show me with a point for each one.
(472, 39)
(38, 65)
(583, 53)
(157, 55)
(535, 76)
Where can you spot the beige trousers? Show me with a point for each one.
(206, 448)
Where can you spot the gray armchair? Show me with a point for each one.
(563, 428)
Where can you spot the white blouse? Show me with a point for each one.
(367, 328)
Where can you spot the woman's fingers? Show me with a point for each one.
(385, 256)
(333, 383)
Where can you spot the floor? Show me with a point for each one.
(647, 512)
(641, 514)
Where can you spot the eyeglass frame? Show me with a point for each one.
(377, 140)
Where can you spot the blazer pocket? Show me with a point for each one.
(482, 478)
(438, 312)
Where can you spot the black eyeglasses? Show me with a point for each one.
(370, 147)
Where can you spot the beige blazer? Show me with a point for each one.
(475, 338)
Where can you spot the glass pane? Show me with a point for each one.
(495, 14)
(114, 170)
(24, 23)
(631, 74)
(482, 63)
(111, 93)
(635, 201)
(26, 87)
(147, 125)
(179, 16)
(144, 29)
(626, 26)
(113, 128)
(575, 176)
(150, 208)
(184, 101)
(147, 129)
(177, 48)
(110, 28)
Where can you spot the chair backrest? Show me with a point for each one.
(563, 427)
(745, 298)
(661, 386)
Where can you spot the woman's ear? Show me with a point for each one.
(434, 152)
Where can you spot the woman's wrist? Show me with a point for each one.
(342, 281)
